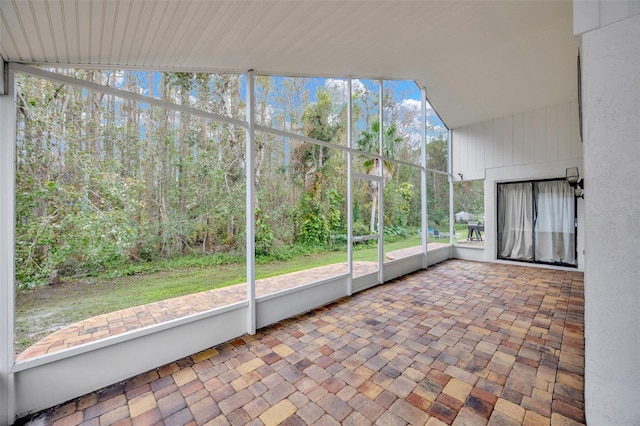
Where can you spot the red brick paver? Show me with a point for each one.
(461, 343)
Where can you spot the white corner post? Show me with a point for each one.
(349, 190)
(423, 182)
(3, 74)
(250, 229)
(7, 240)
(381, 186)
(450, 179)
(610, 58)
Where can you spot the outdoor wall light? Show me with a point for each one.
(573, 179)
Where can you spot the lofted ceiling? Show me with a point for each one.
(478, 59)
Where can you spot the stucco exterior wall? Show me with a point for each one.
(611, 107)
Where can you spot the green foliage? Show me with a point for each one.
(437, 184)
(318, 215)
(314, 225)
(397, 203)
(108, 186)
(264, 235)
(360, 228)
(336, 222)
(102, 183)
(369, 141)
(438, 218)
(317, 121)
(81, 231)
(396, 232)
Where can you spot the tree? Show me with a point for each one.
(469, 197)
(315, 209)
(369, 142)
(438, 192)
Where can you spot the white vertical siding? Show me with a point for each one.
(489, 143)
(538, 136)
(498, 143)
(518, 139)
(564, 132)
(529, 137)
(591, 14)
(507, 140)
(552, 132)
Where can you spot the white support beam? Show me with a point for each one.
(423, 181)
(7, 243)
(611, 101)
(3, 75)
(450, 179)
(251, 203)
(349, 191)
(381, 186)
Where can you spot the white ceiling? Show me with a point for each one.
(478, 59)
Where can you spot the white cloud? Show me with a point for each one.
(339, 89)
(410, 122)
(415, 105)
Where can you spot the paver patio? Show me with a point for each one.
(117, 322)
(462, 343)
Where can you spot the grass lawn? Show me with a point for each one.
(43, 310)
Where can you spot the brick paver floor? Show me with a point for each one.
(117, 322)
(461, 343)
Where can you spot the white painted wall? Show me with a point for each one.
(537, 144)
(534, 137)
(591, 14)
(611, 106)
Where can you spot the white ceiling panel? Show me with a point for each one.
(11, 35)
(478, 59)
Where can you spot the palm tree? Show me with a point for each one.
(369, 141)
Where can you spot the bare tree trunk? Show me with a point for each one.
(164, 171)
(148, 170)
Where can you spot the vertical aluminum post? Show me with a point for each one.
(381, 188)
(349, 191)
(7, 244)
(450, 178)
(250, 203)
(423, 189)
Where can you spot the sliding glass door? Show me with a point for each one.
(537, 222)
